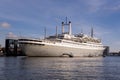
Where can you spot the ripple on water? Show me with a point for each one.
(55, 68)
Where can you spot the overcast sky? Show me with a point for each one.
(29, 17)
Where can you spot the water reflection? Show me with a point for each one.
(13, 68)
(38, 68)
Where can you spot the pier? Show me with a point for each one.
(114, 54)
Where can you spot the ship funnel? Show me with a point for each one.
(70, 30)
(68, 25)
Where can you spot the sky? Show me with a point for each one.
(29, 18)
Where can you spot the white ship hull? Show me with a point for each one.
(63, 44)
(57, 50)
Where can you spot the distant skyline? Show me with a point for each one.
(30, 17)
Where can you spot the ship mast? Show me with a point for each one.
(66, 20)
(45, 33)
(62, 27)
(92, 33)
(56, 31)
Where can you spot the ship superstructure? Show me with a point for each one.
(63, 44)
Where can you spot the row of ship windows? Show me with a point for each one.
(29, 40)
(83, 44)
(72, 43)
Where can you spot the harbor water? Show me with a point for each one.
(59, 68)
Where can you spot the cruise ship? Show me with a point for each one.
(63, 44)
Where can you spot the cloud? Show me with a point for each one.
(5, 25)
(11, 35)
(110, 6)
(116, 8)
(95, 5)
(113, 8)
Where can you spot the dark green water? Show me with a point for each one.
(56, 68)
